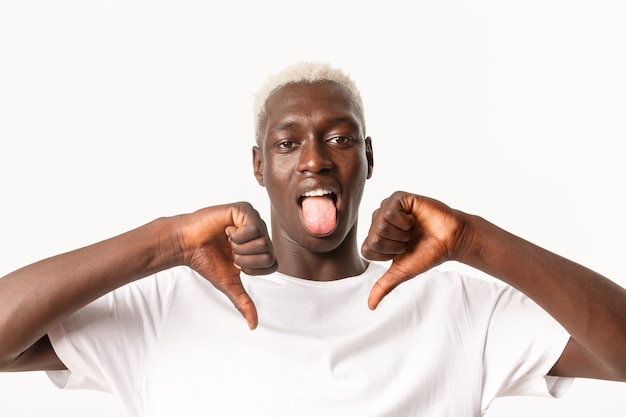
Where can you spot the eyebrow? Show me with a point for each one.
(285, 125)
(294, 124)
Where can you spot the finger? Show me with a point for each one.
(260, 271)
(242, 302)
(384, 241)
(385, 284)
(377, 293)
(376, 249)
(256, 264)
(397, 215)
(254, 257)
(404, 267)
(256, 246)
(248, 310)
(219, 269)
(390, 223)
(389, 231)
(381, 288)
(247, 232)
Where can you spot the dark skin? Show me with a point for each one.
(314, 139)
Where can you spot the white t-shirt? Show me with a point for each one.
(438, 345)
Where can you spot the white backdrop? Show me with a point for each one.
(114, 113)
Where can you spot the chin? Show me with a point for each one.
(324, 243)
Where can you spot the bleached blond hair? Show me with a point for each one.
(304, 72)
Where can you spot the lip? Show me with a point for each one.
(318, 192)
(316, 187)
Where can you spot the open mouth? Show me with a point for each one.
(318, 193)
(319, 211)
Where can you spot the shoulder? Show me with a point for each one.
(457, 283)
(452, 294)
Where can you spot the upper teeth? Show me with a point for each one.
(317, 193)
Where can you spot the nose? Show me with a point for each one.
(314, 157)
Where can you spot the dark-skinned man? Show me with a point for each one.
(149, 316)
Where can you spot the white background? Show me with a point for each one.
(113, 113)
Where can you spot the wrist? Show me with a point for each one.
(469, 246)
(169, 250)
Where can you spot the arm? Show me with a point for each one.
(217, 242)
(420, 233)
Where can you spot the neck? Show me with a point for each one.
(302, 262)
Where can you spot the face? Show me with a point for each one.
(314, 162)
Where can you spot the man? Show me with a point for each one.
(437, 344)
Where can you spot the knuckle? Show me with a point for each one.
(267, 243)
(244, 205)
(374, 242)
(389, 214)
(238, 259)
(382, 228)
(267, 260)
(255, 229)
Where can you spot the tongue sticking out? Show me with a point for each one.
(319, 214)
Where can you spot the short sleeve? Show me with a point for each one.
(522, 344)
(106, 345)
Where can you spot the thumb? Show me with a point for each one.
(403, 267)
(246, 307)
(217, 267)
(237, 294)
(385, 284)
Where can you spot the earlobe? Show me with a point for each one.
(369, 153)
(257, 164)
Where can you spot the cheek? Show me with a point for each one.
(358, 173)
(358, 181)
(277, 178)
(279, 167)
(272, 172)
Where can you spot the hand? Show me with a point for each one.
(416, 233)
(221, 241)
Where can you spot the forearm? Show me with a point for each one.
(591, 307)
(35, 298)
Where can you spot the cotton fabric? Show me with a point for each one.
(438, 345)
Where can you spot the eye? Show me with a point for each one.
(341, 140)
(285, 145)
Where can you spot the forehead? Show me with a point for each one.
(305, 102)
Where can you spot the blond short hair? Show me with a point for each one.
(304, 72)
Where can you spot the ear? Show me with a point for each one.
(369, 154)
(257, 163)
